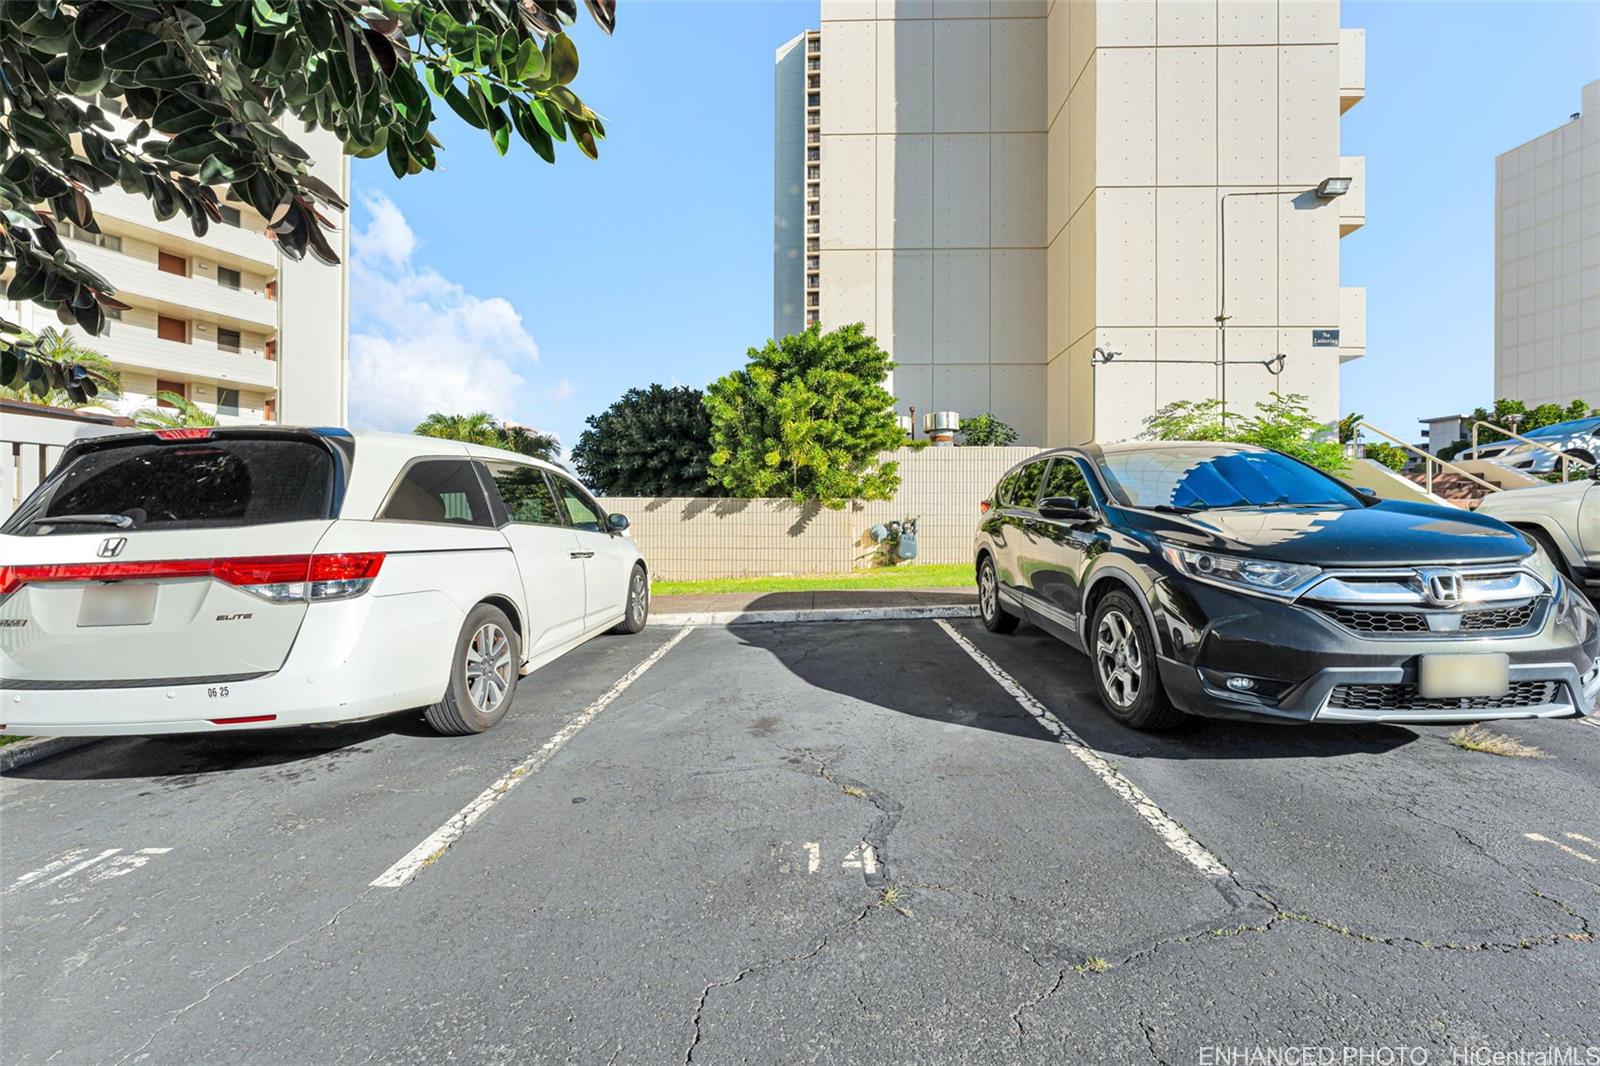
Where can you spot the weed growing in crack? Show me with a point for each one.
(894, 899)
(1476, 738)
(855, 790)
(1093, 964)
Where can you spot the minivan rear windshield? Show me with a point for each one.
(202, 484)
(1203, 476)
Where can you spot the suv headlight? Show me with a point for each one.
(1541, 565)
(1263, 576)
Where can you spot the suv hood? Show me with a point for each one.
(1389, 533)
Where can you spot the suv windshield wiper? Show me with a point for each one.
(121, 521)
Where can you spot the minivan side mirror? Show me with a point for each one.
(1065, 509)
(616, 523)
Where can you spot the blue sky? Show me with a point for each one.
(542, 293)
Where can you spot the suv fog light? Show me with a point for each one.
(1242, 684)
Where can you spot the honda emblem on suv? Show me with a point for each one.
(1441, 586)
(112, 547)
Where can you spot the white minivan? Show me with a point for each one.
(215, 579)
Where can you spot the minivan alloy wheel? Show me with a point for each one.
(1118, 659)
(489, 667)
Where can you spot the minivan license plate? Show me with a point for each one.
(117, 605)
(1442, 677)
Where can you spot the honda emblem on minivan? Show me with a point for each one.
(112, 547)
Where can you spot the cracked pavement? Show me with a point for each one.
(801, 843)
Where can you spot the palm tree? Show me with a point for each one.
(63, 354)
(481, 427)
(183, 414)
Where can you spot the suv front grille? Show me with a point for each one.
(1402, 622)
(1403, 697)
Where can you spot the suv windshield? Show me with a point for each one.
(1201, 476)
(202, 484)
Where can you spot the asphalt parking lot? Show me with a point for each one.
(841, 842)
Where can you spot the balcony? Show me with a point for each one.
(1352, 323)
(179, 294)
(220, 241)
(1353, 204)
(133, 346)
(1352, 68)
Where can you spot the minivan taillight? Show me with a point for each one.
(275, 578)
(983, 506)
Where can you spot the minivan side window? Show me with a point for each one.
(581, 510)
(526, 495)
(439, 490)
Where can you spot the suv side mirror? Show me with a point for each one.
(1064, 509)
(616, 523)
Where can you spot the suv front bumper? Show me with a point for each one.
(1300, 661)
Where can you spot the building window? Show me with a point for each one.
(172, 329)
(812, 299)
(813, 99)
(813, 262)
(815, 82)
(177, 388)
(227, 339)
(227, 401)
(272, 348)
(272, 289)
(813, 154)
(172, 264)
(101, 240)
(228, 279)
(230, 215)
(813, 317)
(813, 281)
(813, 64)
(813, 173)
(269, 409)
(813, 225)
(813, 191)
(812, 245)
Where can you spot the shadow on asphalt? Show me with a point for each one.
(1053, 672)
(191, 755)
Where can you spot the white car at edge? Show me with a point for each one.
(210, 580)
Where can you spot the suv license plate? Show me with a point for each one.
(1443, 677)
(117, 604)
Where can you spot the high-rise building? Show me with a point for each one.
(1002, 188)
(222, 320)
(1547, 263)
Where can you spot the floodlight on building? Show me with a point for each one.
(1333, 187)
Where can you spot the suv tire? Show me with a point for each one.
(996, 619)
(1122, 654)
(483, 674)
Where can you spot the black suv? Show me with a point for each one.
(1235, 582)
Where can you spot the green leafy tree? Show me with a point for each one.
(987, 431)
(807, 418)
(1390, 455)
(1283, 423)
(1506, 411)
(650, 442)
(60, 355)
(483, 428)
(206, 85)
(183, 414)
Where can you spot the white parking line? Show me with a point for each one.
(1574, 852)
(1171, 833)
(440, 839)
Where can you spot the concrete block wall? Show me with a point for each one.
(687, 539)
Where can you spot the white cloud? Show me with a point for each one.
(419, 342)
(559, 393)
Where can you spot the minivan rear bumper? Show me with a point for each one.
(351, 660)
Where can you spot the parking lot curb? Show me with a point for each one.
(24, 752)
(819, 614)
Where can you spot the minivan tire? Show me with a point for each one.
(636, 607)
(487, 636)
(1122, 655)
(992, 612)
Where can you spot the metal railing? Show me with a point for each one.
(1566, 460)
(1429, 460)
